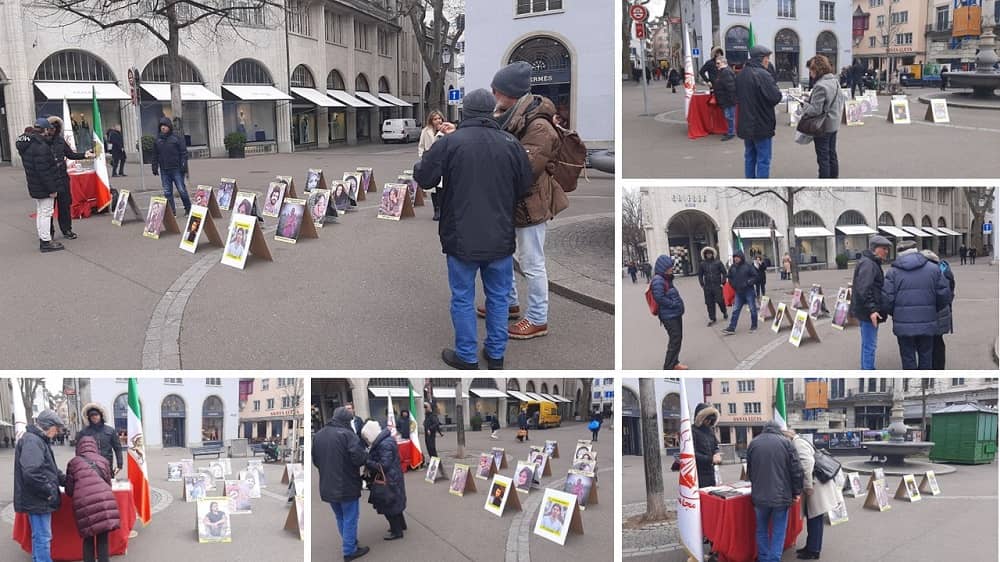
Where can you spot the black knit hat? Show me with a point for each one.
(478, 103)
(513, 80)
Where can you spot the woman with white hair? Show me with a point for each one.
(388, 499)
(820, 497)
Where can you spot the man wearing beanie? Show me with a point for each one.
(37, 479)
(756, 95)
(915, 291)
(671, 310)
(485, 173)
(530, 117)
(866, 296)
(43, 177)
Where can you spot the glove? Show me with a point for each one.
(156, 172)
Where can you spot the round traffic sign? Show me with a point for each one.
(638, 12)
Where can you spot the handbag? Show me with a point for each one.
(813, 125)
(826, 467)
(381, 492)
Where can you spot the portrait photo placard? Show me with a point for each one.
(433, 470)
(244, 238)
(803, 328)
(937, 111)
(584, 451)
(557, 516)
(272, 198)
(838, 514)
(899, 111)
(318, 204)
(245, 203)
(193, 228)
(541, 462)
(252, 477)
(226, 193)
(341, 201)
(499, 496)
(289, 182)
(292, 222)
(484, 469)
(214, 524)
(907, 489)
(929, 484)
(353, 182)
(854, 113)
(315, 179)
(524, 476)
(583, 486)
(238, 492)
(460, 481)
(585, 465)
(125, 203)
(394, 203)
(499, 458)
(195, 487)
(175, 472)
(204, 196)
(159, 219)
(877, 498)
(367, 177)
(551, 449)
(852, 485)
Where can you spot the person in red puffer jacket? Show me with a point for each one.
(88, 482)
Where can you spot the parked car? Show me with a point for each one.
(402, 130)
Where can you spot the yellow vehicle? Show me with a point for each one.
(548, 413)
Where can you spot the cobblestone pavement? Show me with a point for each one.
(580, 257)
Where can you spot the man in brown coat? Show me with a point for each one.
(530, 118)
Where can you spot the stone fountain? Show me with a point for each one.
(985, 79)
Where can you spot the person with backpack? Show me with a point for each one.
(594, 426)
(669, 308)
(88, 482)
(914, 293)
(944, 322)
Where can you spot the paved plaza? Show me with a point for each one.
(449, 528)
(656, 146)
(367, 294)
(171, 534)
(959, 524)
(644, 341)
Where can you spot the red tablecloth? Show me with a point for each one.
(405, 453)
(731, 525)
(704, 119)
(66, 541)
(87, 193)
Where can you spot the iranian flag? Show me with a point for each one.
(779, 405)
(138, 473)
(752, 40)
(100, 161)
(688, 500)
(417, 456)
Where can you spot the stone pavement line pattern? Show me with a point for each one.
(666, 532)
(755, 357)
(161, 499)
(583, 283)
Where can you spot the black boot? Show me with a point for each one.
(437, 214)
(491, 363)
(49, 246)
(453, 361)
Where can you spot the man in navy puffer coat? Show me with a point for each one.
(913, 293)
(671, 310)
(742, 277)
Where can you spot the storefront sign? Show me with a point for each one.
(283, 413)
(688, 199)
(550, 77)
(748, 419)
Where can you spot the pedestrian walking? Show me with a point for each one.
(486, 174)
(88, 482)
(522, 424)
(170, 162)
(116, 146)
(103, 435)
(963, 253)
(866, 299)
(431, 132)
(914, 292)
(944, 78)
(775, 476)
(757, 94)
(37, 478)
(725, 95)
(742, 277)
(857, 77)
(673, 79)
(760, 265)
(633, 271)
(944, 315)
(596, 420)
(671, 311)
(647, 271)
(706, 444)
(825, 99)
(387, 488)
(786, 267)
(338, 454)
(972, 255)
(820, 497)
(432, 428)
(711, 277)
(44, 178)
(494, 428)
(64, 199)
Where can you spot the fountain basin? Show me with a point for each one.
(983, 84)
(896, 452)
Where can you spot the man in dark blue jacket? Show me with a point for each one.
(116, 146)
(866, 296)
(170, 162)
(339, 455)
(776, 479)
(486, 172)
(37, 479)
(742, 277)
(41, 170)
(914, 291)
(671, 312)
(756, 95)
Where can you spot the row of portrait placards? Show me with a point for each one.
(866, 104)
(876, 493)
(803, 310)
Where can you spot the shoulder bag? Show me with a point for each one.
(826, 467)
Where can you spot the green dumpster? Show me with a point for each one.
(965, 434)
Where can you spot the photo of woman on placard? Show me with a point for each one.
(584, 466)
(319, 201)
(154, 219)
(341, 198)
(579, 485)
(900, 111)
(120, 209)
(497, 458)
(553, 519)
(290, 221)
(351, 180)
(525, 473)
(225, 196)
(583, 452)
(194, 223)
(312, 181)
(485, 460)
(245, 207)
(201, 196)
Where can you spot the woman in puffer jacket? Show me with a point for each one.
(88, 482)
(383, 457)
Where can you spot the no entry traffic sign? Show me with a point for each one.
(638, 12)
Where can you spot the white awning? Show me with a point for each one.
(536, 397)
(316, 97)
(949, 231)
(520, 396)
(256, 92)
(446, 393)
(896, 232)
(561, 398)
(382, 392)
(81, 90)
(395, 101)
(855, 229)
(189, 92)
(372, 99)
(351, 101)
(932, 230)
(757, 233)
(917, 231)
(488, 393)
(811, 231)
(549, 397)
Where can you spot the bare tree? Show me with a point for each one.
(716, 34)
(292, 393)
(167, 21)
(438, 26)
(461, 403)
(980, 201)
(656, 509)
(787, 196)
(633, 229)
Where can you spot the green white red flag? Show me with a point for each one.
(138, 473)
(779, 405)
(416, 456)
(100, 161)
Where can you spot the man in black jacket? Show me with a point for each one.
(339, 455)
(486, 172)
(857, 77)
(170, 162)
(107, 438)
(776, 480)
(706, 444)
(725, 94)
(116, 146)
(64, 200)
(866, 296)
(432, 428)
(742, 277)
(757, 93)
(41, 171)
(710, 70)
(711, 277)
(37, 479)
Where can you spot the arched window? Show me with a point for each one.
(737, 44)
(120, 410)
(545, 388)
(885, 219)
(483, 383)
(826, 45)
(530, 387)
(671, 414)
(926, 221)
(158, 70)
(247, 71)
(334, 81)
(383, 86)
(942, 222)
(555, 389)
(908, 220)
(172, 404)
(361, 84)
(786, 40)
(512, 384)
(543, 54)
(173, 416)
(212, 418)
(302, 78)
(752, 219)
(848, 218)
(73, 66)
(806, 218)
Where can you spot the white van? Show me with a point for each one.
(403, 130)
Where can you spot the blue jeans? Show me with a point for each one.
(730, 113)
(531, 257)
(170, 178)
(745, 297)
(757, 158)
(769, 549)
(916, 352)
(869, 341)
(347, 523)
(497, 277)
(826, 156)
(41, 537)
(814, 540)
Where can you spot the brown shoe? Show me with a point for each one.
(513, 312)
(525, 330)
(680, 367)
